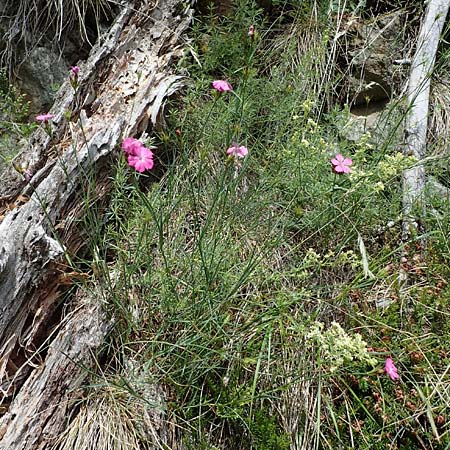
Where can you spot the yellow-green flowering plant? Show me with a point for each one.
(338, 348)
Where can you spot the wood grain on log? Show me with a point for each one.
(37, 415)
(123, 85)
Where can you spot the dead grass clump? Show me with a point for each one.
(27, 22)
(119, 416)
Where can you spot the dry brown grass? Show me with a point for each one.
(27, 22)
(119, 415)
(440, 115)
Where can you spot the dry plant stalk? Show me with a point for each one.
(416, 120)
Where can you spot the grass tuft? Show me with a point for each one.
(30, 21)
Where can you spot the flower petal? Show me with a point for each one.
(391, 370)
(222, 86)
(242, 152)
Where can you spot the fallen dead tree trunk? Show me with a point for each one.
(122, 87)
(37, 415)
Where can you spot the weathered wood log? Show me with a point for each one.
(416, 120)
(37, 415)
(122, 87)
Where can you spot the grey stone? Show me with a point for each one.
(40, 75)
(357, 126)
(361, 120)
(370, 51)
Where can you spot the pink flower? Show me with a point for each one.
(73, 79)
(391, 370)
(141, 159)
(341, 164)
(44, 117)
(130, 145)
(251, 31)
(222, 86)
(237, 152)
(28, 174)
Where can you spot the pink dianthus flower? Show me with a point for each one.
(141, 159)
(222, 86)
(391, 370)
(237, 152)
(340, 164)
(44, 117)
(130, 145)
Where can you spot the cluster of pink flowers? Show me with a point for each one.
(340, 164)
(138, 156)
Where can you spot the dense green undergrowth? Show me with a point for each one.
(13, 120)
(262, 294)
(260, 297)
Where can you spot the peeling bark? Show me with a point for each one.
(122, 87)
(37, 414)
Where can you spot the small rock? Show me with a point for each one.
(369, 51)
(40, 75)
